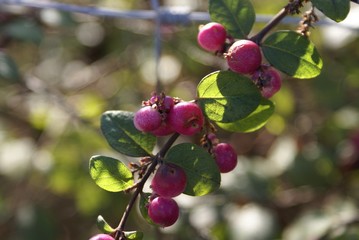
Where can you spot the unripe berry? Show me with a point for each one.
(169, 181)
(212, 36)
(163, 211)
(269, 81)
(225, 156)
(147, 119)
(186, 118)
(102, 236)
(244, 56)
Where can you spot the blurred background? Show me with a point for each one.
(297, 178)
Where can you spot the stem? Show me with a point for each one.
(139, 186)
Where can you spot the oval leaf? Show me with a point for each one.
(134, 235)
(110, 174)
(103, 225)
(121, 134)
(203, 176)
(237, 16)
(336, 10)
(254, 121)
(226, 96)
(292, 54)
(8, 68)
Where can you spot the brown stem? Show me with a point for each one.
(139, 186)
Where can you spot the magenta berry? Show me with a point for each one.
(225, 156)
(186, 118)
(244, 56)
(163, 211)
(164, 129)
(169, 181)
(147, 119)
(269, 81)
(212, 36)
(102, 236)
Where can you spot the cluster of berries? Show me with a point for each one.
(243, 56)
(163, 115)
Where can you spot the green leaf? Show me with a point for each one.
(292, 54)
(8, 68)
(203, 176)
(254, 121)
(121, 134)
(226, 96)
(144, 200)
(110, 174)
(23, 30)
(336, 10)
(103, 225)
(237, 16)
(134, 235)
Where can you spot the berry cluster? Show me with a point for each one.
(163, 115)
(243, 56)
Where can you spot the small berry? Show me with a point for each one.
(163, 130)
(163, 211)
(186, 118)
(244, 56)
(269, 81)
(147, 119)
(225, 156)
(212, 36)
(102, 236)
(169, 181)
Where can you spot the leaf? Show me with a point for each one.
(121, 134)
(336, 10)
(144, 200)
(203, 176)
(110, 174)
(8, 68)
(226, 96)
(23, 30)
(292, 54)
(237, 16)
(134, 235)
(254, 121)
(103, 225)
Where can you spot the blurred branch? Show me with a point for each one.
(344, 224)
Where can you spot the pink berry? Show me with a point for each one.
(244, 56)
(147, 119)
(186, 118)
(163, 211)
(212, 36)
(269, 81)
(225, 156)
(102, 237)
(163, 130)
(169, 181)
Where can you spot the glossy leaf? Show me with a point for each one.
(8, 68)
(134, 235)
(103, 225)
(110, 174)
(144, 200)
(292, 54)
(254, 121)
(121, 134)
(336, 10)
(203, 176)
(226, 96)
(237, 16)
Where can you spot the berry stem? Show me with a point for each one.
(291, 8)
(139, 186)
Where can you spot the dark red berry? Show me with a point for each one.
(163, 211)
(225, 156)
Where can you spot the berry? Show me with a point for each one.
(186, 118)
(163, 130)
(163, 211)
(212, 36)
(169, 181)
(268, 80)
(225, 156)
(147, 119)
(102, 237)
(244, 56)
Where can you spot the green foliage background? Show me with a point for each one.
(297, 176)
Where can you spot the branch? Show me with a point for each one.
(119, 230)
